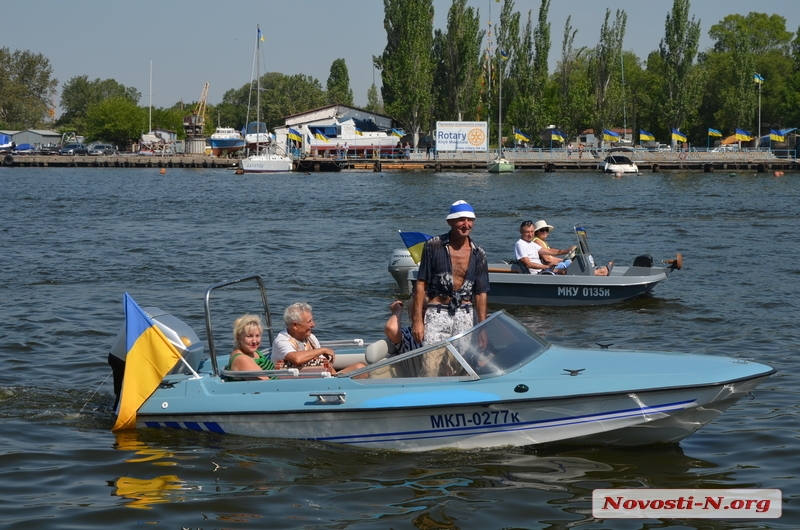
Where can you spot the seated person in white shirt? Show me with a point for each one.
(297, 347)
(530, 254)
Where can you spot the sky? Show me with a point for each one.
(198, 41)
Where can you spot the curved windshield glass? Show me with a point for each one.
(494, 347)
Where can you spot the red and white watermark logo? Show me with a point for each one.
(686, 503)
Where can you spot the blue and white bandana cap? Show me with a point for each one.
(461, 209)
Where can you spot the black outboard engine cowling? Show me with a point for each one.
(645, 260)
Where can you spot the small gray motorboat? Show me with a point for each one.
(578, 287)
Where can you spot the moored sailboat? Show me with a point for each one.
(266, 159)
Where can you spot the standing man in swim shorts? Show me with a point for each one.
(454, 275)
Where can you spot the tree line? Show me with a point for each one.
(454, 73)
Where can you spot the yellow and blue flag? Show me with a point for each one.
(359, 132)
(294, 135)
(678, 136)
(776, 136)
(758, 79)
(558, 136)
(319, 136)
(521, 136)
(743, 135)
(398, 133)
(610, 136)
(150, 356)
(714, 132)
(414, 242)
(645, 136)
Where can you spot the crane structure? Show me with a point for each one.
(193, 125)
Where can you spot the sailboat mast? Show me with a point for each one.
(258, 88)
(624, 105)
(150, 117)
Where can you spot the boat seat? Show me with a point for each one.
(379, 350)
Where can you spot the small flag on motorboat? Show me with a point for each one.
(678, 136)
(414, 242)
(319, 136)
(758, 79)
(645, 136)
(150, 356)
(714, 132)
(743, 135)
(294, 135)
(610, 136)
(521, 136)
(398, 133)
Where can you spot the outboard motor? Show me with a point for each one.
(400, 264)
(645, 260)
(177, 332)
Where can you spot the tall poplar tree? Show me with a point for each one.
(339, 91)
(681, 80)
(406, 64)
(527, 110)
(574, 90)
(606, 72)
(458, 63)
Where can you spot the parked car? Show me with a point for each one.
(663, 148)
(74, 149)
(101, 149)
(728, 148)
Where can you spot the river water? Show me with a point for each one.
(73, 240)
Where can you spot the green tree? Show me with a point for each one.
(406, 64)
(339, 91)
(458, 68)
(606, 74)
(744, 45)
(27, 88)
(529, 107)
(374, 102)
(116, 119)
(573, 99)
(281, 96)
(79, 94)
(681, 79)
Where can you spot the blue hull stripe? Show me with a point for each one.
(508, 427)
(455, 432)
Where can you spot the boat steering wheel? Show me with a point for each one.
(572, 253)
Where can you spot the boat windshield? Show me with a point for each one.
(496, 346)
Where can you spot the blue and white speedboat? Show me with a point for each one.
(498, 384)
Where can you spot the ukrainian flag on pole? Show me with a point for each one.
(610, 136)
(645, 136)
(743, 135)
(714, 132)
(294, 135)
(414, 242)
(150, 356)
(521, 136)
(678, 136)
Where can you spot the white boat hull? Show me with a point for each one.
(266, 164)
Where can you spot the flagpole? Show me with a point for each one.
(759, 114)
